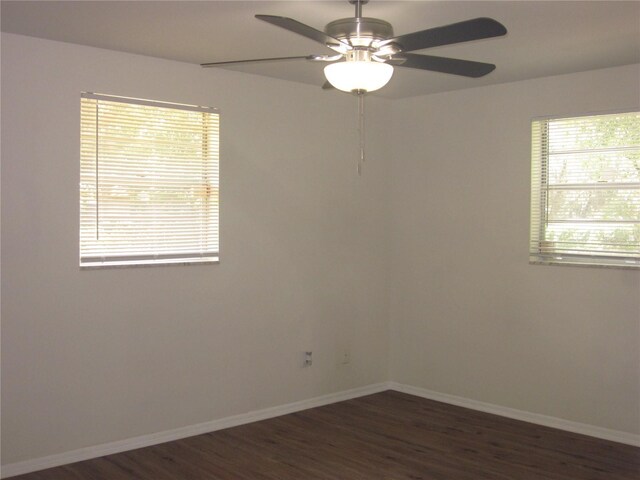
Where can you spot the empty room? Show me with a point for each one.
(320, 240)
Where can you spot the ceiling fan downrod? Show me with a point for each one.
(358, 4)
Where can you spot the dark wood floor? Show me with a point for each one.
(389, 436)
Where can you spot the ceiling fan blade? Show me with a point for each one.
(454, 66)
(327, 86)
(233, 62)
(466, 31)
(306, 31)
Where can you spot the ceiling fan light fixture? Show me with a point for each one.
(358, 76)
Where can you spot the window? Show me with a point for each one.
(148, 182)
(585, 190)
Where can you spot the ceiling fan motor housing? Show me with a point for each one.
(359, 31)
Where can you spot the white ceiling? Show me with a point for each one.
(545, 37)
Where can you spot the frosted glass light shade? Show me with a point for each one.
(358, 76)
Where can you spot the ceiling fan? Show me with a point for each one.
(366, 50)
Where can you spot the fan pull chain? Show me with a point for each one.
(361, 131)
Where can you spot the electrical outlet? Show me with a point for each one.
(308, 359)
(346, 358)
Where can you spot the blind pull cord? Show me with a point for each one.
(97, 175)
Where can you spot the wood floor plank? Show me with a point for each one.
(386, 436)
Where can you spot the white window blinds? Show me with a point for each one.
(148, 182)
(585, 192)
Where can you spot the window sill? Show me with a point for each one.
(583, 263)
(149, 263)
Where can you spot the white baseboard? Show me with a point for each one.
(95, 451)
(87, 453)
(547, 421)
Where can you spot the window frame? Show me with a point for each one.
(210, 177)
(539, 202)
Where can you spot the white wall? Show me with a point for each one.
(313, 257)
(470, 316)
(95, 356)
